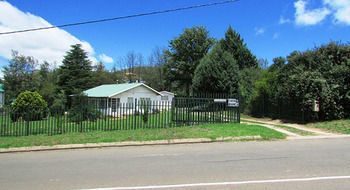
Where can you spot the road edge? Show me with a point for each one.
(127, 143)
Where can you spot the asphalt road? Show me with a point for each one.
(240, 163)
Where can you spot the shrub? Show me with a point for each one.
(30, 106)
(287, 91)
(145, 107)
(81, 110)
(58, 106)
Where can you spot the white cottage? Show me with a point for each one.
(167, 96)
(112, 98)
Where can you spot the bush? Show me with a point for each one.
(30, 106)
(145, 107)
(58, 106)
(81, 110)
(287, 91)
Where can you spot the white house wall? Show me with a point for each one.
(137, 93)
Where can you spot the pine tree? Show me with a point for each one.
(75, 75)
(234, 44)
(217, 73)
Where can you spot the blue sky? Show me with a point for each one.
(270, 28)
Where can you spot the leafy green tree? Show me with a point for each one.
(289, 90)
(19, 76)
(81, 110)
(216, 73)
(47, 79)
(101, 75)
(263, 101)
(75, 75)
(30, 106)
(234, 44)
(184, 56)
(247, 79)
(58, 105)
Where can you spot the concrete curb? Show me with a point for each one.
(318, 137)
(128, 143)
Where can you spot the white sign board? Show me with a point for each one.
(232, 103)
(220, 100)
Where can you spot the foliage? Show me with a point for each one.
(263, 99)
(30, 106)
(75, 75)
(337, 126)
(18, 76)
(145, 107)
(229, 68)
(234, 44)
(216, 73)
(81, 110)
(247, 79)
(289, 91)
(184, 56)
(58, 106)
(47, 78)
(101, 75)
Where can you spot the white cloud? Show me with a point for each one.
(259, 31)
(103, 57)
(284, 21)
(309, 17)
(46, 45)
(276, 36)
(341, 8)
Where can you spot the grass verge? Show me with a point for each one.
(338, 126)
(211, 131)
(290, 129)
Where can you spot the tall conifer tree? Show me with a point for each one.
(75, 74)
(234, 44)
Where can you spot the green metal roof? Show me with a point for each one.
(1, 88)
(109, 90)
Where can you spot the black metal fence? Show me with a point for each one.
(196, 110)
(123, 116)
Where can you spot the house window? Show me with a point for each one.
(145, 103)
(165, 98)
(102, 103)
(145, 99)
(130, 102)
(114, 103)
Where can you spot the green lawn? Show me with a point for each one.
(62, 124)
(290, 129)
(337, 126)
(211, 131)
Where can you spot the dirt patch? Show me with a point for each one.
(295, 125)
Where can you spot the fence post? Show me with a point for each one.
(27, 122)
(135, 115)
(80, 121)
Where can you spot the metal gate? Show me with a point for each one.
(214, 109)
